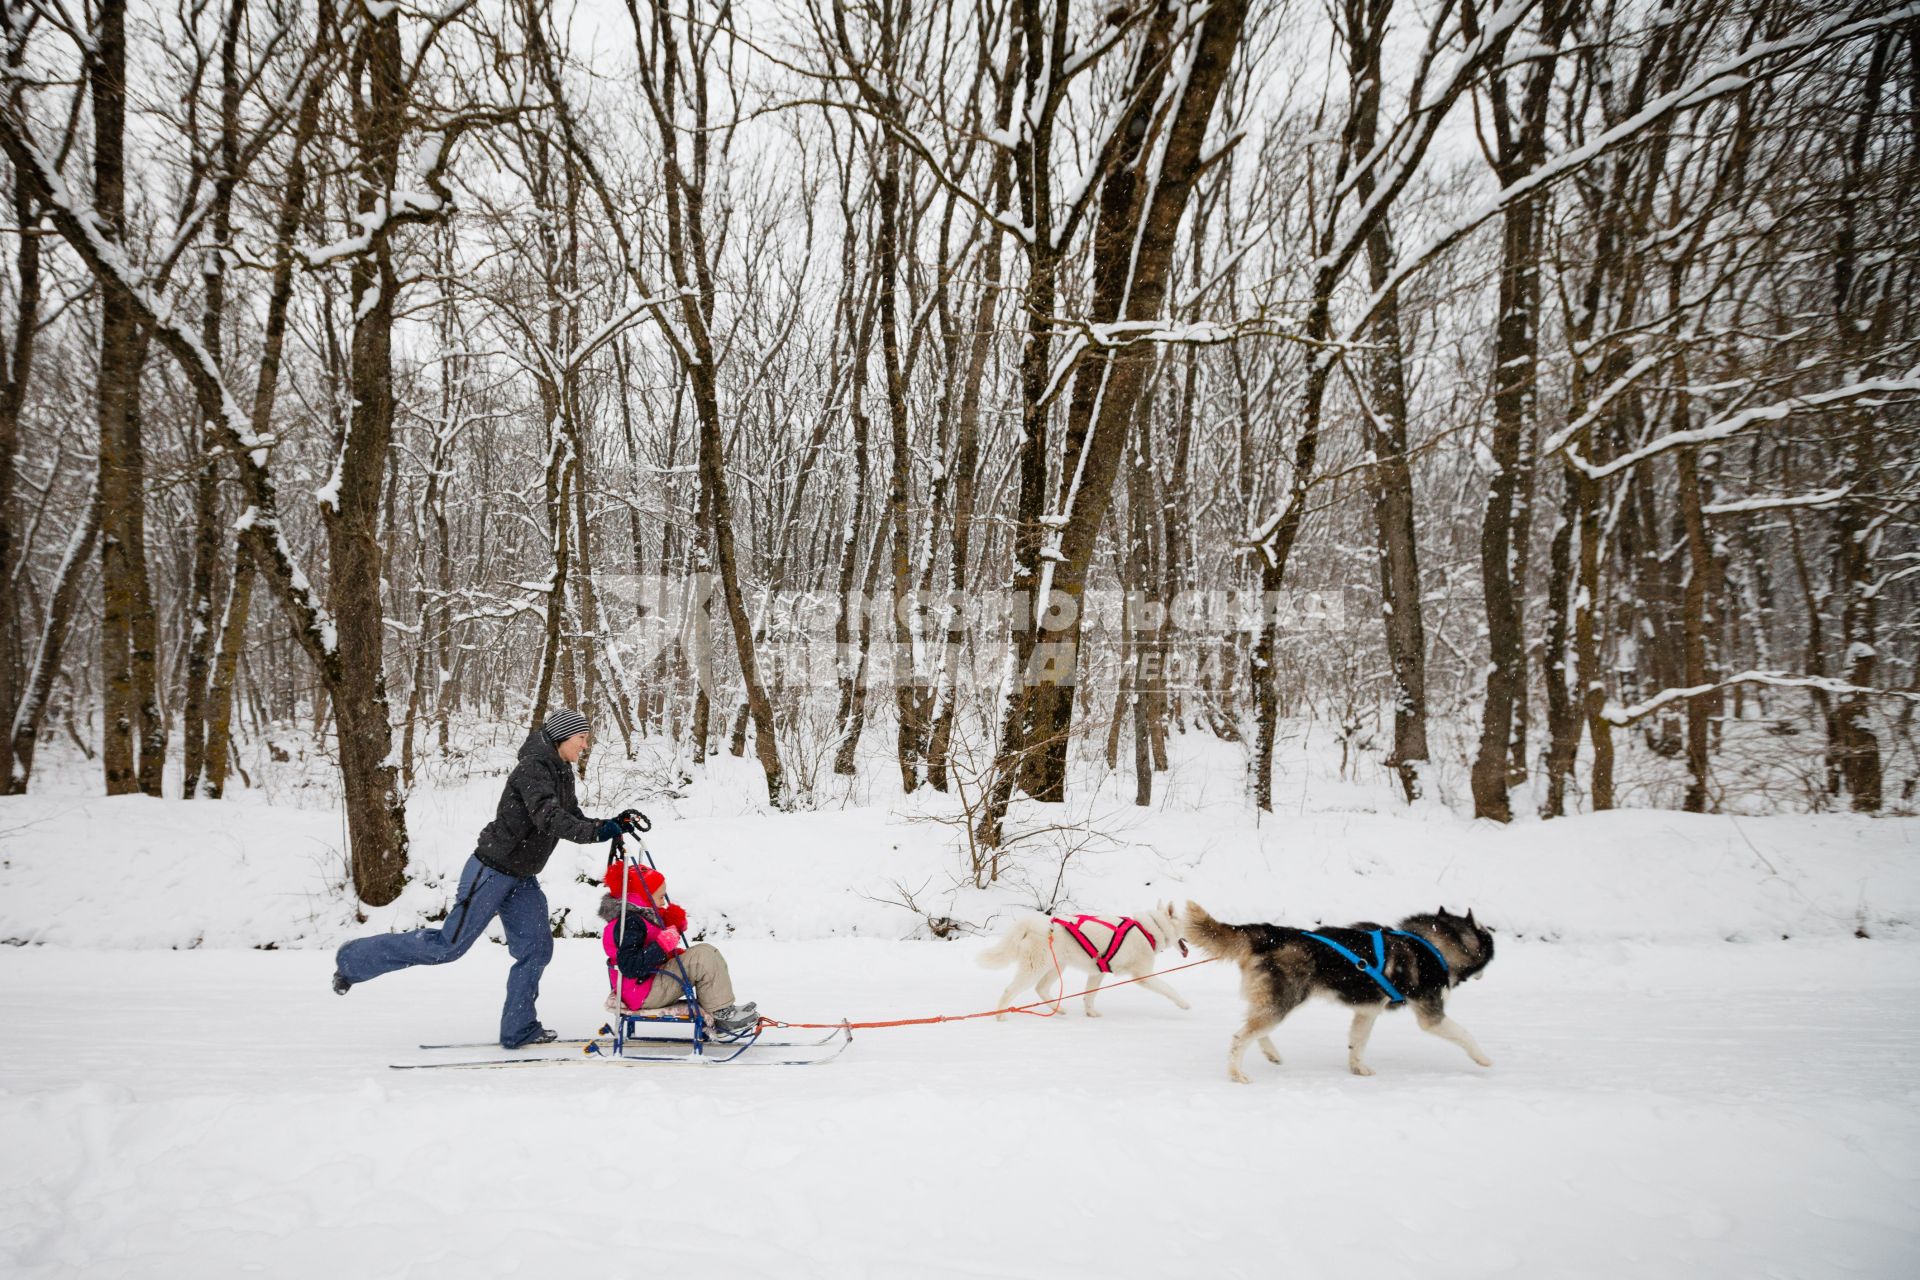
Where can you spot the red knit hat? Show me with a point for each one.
(640, 884)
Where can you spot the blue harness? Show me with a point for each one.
(1378, 969)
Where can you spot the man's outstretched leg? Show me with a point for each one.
(477, 901)
(523, 915)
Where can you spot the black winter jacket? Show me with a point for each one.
(537, 811)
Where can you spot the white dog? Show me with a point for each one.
(1093, 945)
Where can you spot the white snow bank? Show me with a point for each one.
(139, 872)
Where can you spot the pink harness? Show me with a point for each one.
(1103, 960)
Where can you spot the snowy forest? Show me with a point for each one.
(972, 394)
(1265, 512)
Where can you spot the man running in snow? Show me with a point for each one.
(537, 811)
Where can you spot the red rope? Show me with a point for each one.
(1056, 1002)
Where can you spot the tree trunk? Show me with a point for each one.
(206, 508)
(1586, 644)
(1143, 197)
(1042, 51)
(1816, 650)
(1857, 532)
(1519, 149)
(24, 728)
(1390, 478)
(121, 485)
(966, 464)
(1277, 548)
(146, 621)
(16, 367)
(1176, 523)
(583, 580)
(1143, 609)
(911, 743)
(553, 635)
(376, 812)
(226, 662)
(1859, 748)
(1513, 362)
(1563, 720)
(1335, 249)
(1522, 538)
(206, 550)
(1701, 591)
(644, 698)
(853, 685)
(851, 665)
(691, 262)
(233, 623)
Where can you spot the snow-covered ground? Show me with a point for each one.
(1653, 1110)
(1703, 1030)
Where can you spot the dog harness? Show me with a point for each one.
(1378, 969)
(1103, 960)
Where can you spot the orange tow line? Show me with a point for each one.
(1028, 1009)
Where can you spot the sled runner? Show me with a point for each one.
(629, 1035)
(768, 1053)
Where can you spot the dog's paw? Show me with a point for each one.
(1273, 1055)
(1183, 1004)
(1238, 1076)
(1093, 1013)
(1482, 1061)
(1360, 1068)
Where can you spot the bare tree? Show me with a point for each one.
(1519, 113)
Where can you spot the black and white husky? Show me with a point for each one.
(1043, 947)
(1366, 967)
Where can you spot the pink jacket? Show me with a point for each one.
(648, 945)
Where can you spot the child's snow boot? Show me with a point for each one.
(735, 1019)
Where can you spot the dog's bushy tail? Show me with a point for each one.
(1213, 937)
(1027, 933)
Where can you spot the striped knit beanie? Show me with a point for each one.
(563, 724)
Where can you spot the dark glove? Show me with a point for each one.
(638, 958)
(633, 820)
(611, 829)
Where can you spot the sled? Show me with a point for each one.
(653, 1030)
(702, 1041)
(677, 1033)
(644, 1036)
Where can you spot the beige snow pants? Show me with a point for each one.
(706, 968)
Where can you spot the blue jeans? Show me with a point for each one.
(484, 893)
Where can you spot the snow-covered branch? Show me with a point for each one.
(1085, 335)
(424, 199)
(1738, 506)
(1616, 714)
(1733, 424)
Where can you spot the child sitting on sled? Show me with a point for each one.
(649, 957)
